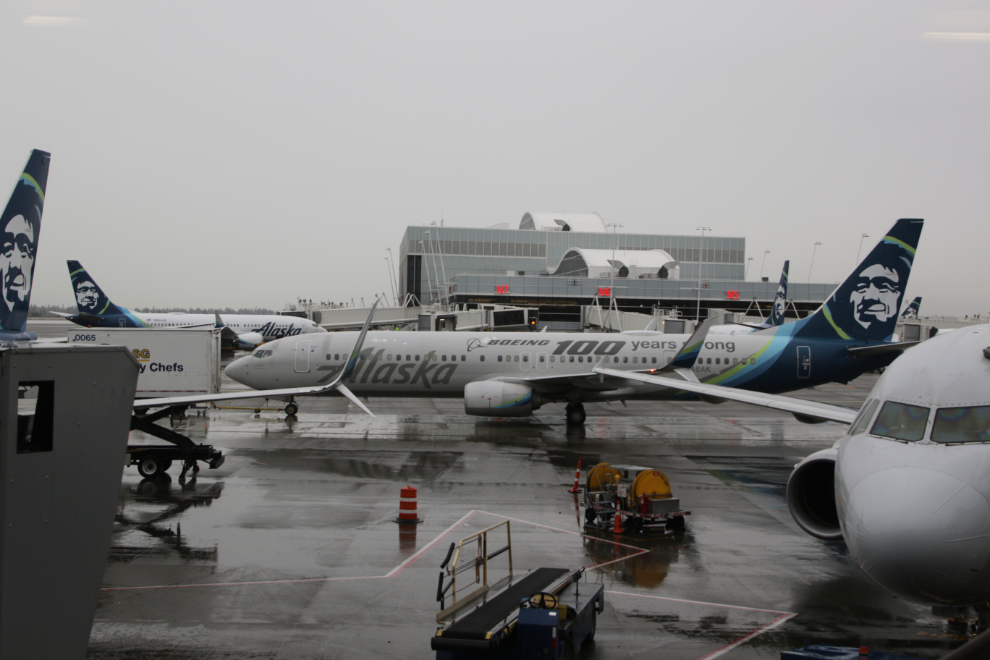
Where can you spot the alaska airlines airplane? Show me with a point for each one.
(908, 486)
(242, 331)
(21, 223)
(775, 318)
(513, 374)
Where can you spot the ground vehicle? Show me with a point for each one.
(179, 361)
(640, 497)
(540, 614)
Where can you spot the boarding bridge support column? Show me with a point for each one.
(62, 447)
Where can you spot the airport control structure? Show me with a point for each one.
(560, 263)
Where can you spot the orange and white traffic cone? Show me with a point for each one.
(577, 479)
(617, 522)
(407, 506)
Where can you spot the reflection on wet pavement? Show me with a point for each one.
(289, 550)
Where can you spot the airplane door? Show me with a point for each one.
(302, 356)
(526, 363)
(542, 361)
(804, 361)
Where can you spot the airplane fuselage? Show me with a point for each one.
(270, 326)
(441, 364)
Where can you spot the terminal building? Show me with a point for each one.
(560, 263)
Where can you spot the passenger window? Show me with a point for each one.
(336, 356)
(625, 360)
(635, 359)
(408, 358)
(752, 360)
(901, 421)
(542, 357)
(572, 358)
(865, 415)
(482, 358)
(463, 358)
(965, 424)
(654, 360)
(717, 361)
(443, 357)
(389, 357)
(517, 358)
(735, 360)
(525, 358)
(580, 358)
(417, 358)
(499, 358)
(709, 360)
(553, 358)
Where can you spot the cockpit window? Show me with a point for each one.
(260, 353)
(901, 421)
(865, 416)
(965, 424)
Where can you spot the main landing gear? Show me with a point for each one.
(292, 408)
(574, 412)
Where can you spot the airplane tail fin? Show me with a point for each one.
(90, 299)
(21, 223)
(780, 300)
(866, 305)
(912, 310)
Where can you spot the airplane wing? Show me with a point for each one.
(680, 365)
(339, 384)
(882, 349)
(803, 410)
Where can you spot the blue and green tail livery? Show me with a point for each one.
(912, 311)
(94, 306)
(21, 222)
(866, 305)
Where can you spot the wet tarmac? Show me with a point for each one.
(289, 550)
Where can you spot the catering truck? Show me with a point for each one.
(172, 362)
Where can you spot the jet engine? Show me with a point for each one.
(811, 495)
(493, 398)
(249, 341)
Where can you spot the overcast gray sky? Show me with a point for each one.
(246, 153)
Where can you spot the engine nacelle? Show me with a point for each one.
(493, 398)
(811, 495)
(249, 341)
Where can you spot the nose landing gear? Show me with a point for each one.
(574, 413)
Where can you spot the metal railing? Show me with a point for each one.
(452, 565)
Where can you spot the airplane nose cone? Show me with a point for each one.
(921, 534)
(237, 370)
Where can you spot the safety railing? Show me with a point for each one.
(454, 565)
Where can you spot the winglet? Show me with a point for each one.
(345, 375)
(689, 352)
(653, 325)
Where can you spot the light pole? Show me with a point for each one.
(611, 276)
(765, 253)
(443, 271)
(429, 284)
(817, 243)
(395, 272)
(748, 259)
(701, 263)
(860, 248)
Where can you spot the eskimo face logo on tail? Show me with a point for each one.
(865, 306)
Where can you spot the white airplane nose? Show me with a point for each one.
(237, 370)
(921, 534)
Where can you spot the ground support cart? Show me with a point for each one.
(640, 498)
(154, 460)
(546, 613)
